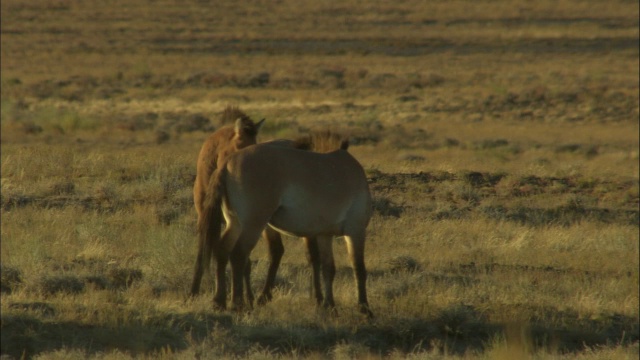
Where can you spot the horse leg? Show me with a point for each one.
(198, 197)
(247, 283)
(222, 253)
(220, 296)
(198, 271)
(276, 250)
(239, 260)
(325, 250)
(238, 266)
(355, 247)
(313, 256)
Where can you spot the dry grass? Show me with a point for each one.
(500, 141)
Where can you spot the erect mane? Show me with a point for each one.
(322, 141)
(232, 113)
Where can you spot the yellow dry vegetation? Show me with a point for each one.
(500, 141)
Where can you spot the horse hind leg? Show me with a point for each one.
(355, 247)
(276, 250)
(222, 252)
(247, 283)
(198, 199)
(325, 252)
(313, 256)
(239, 260)
(198, 272)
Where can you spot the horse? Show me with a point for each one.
(316, 141)
(218, 146)
(295, 192)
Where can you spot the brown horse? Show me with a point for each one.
(216, 148)
(220, 144)
(295, 192)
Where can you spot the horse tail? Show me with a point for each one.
(210, 226)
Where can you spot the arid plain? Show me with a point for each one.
(500, 141)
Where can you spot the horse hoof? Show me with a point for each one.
(326, 309)
(263, 299)
(219, 305)
(240, 309)
(364, 309)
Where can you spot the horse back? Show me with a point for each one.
(281, 165)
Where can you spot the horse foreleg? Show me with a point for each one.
(276, 250)
(355, 247)
(325, 250)
(313, 256)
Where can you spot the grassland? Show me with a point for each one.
(500, 140)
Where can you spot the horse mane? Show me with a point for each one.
(322, 141)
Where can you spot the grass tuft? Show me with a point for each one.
(404, 263)
(68, 284)
(10, 278)
(121, 278)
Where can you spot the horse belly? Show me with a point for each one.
(307, 222)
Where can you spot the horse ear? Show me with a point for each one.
(238, 126)
(344, 144)
(259, 124)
